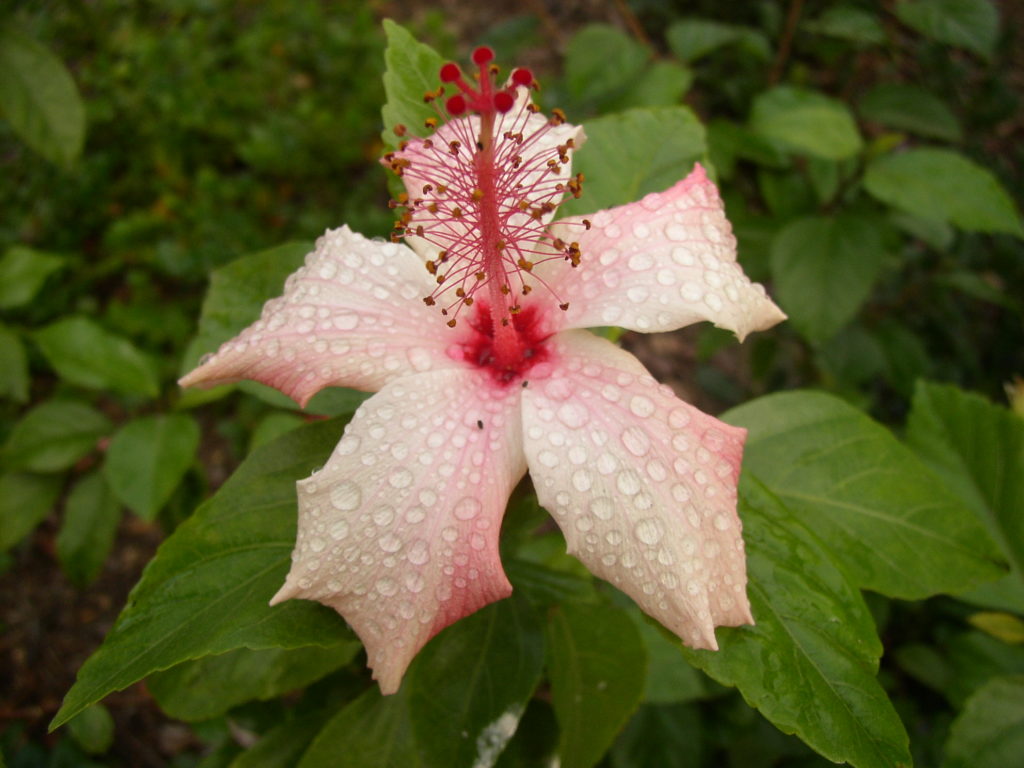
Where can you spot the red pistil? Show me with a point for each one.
(479, 347)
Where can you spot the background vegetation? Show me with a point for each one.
(869, 153)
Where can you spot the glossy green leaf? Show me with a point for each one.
(883, 514)
(824, 268)
(663, 83)
(848, 22)
(469, 686)
(660, 736)
(806, 122)
(91, 515)
(283, 745)
(692, 39)
(810, 661)
(969, 196)
(84, 353)
(25, 499)
(373, 730)
(237, 293)
(909, 108)
(207, 589)
(210, 686)
(631, 153)
(93, 729)
(670, 678)
(597, 667)
(23, 272)
(39, 99)
(970, 24)
(989, 733)
(54, 435)
(147, 459)
(411, 71)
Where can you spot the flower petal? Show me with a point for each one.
(399, 531)
(642, 485)
(351, 317)
(660, 264)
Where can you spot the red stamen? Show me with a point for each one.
(503, 101)
(483, 55)
(450, 72)
(456, 105)
(522, 76)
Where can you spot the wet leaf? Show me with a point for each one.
(883, 514)
(207, 589)
(597, 667)
(210, 686)
(809, 664)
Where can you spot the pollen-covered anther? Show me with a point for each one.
(564, 307)
(523, 264)
(453, 147)
(400, 130)
(557, 117)
(430, 123)
(477, 194)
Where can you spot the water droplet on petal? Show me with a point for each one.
(627, 482)
(641, 406)
(387, 587)
(548, 458)
(582, 480)
(602, 508)
(346, 496)
(649, 530)
(419, 552)
(573, 415)
(338, 530)
(467, 508)
(389, 542)
(636, 441)
(383, 515)
(400, 478)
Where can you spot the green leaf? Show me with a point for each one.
(848, 23)
(282, 746)
(631, 153)
(970, 24)
(692, 39)
(601, 62)
(824, 268)
(14, 378)
(237, 293)
(809, 662)
(373, 730)
(84, 353)
(660, 737)
(25, 499)
(93, 729)
(411, 71)
(469, 686)
(663, 83)
(206, 591)
(883, 514)
(54, 435)
(670, 679)
(977, 449)
(806, 122)
(989, 733)
(147, 459)
(39, 99)
(210, 686)
(909, 108)
(968, 196)
(597, 667)
(91, 515)
(23, 272)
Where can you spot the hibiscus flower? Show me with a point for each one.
(471, 333)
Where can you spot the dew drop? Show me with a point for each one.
(419, 552)
(467, 508)
(627, 482)
(649, 530)
(338, 530)
(383, 515)
(602, 508)
(641, 406)
(572, 415)
(389, 542)
(582, 480)
(400, 478)
(317, 544)
(387, 587)
(548, 458)
(636, 441)
(346, 496)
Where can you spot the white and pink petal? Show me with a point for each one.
(398, 532)
(642, 485)
(353, 316)
(659, 264)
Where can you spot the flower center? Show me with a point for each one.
(478, 345)
(480, 192)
